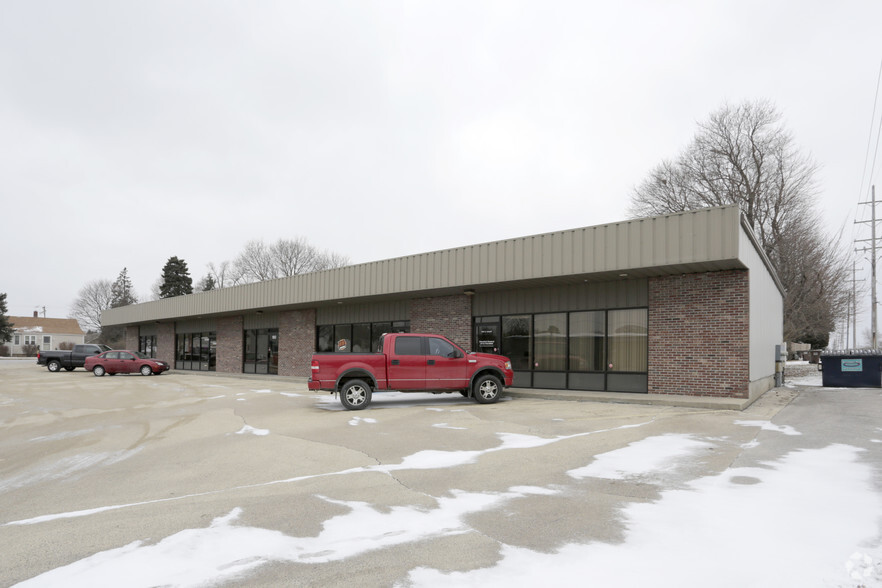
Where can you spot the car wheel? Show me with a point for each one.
(146, 370)
(70, 369)
(355, 395)
(54, 365)
(98, 371)
(487, 389)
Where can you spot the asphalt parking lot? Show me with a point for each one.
(186, 479)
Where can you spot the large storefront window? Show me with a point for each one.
(516, 341)
(628, 340)
(356, 338)
(586, 350)
(196, 351)
(550, 332)
(587, 341)
(261, 351)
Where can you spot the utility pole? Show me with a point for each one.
(853, 305)
(872, 249)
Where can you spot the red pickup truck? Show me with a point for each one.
(410, 362)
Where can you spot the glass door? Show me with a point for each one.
(487, 338)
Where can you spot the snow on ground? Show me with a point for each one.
(803, 520)
(65, 468)
(801, 373)
(249, 430)
(329, 401)
(768, 426)
(639, 458)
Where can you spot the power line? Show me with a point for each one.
(870, 137)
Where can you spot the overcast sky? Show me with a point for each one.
(131, 132)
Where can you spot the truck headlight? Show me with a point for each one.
(508, 365)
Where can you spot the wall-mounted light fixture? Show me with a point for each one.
(469, 292)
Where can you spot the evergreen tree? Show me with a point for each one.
(176, 280)
(6, 329)
(207, 283)
(121, 291)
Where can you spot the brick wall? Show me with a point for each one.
(699, 342)
(133, 338)
(296, 342)
(229, 344)
(450, 316)
(165, 343)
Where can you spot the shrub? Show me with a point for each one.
(66, 346)
(4, 350)
(30, 350)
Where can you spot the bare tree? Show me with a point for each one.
(286, 257)
(255, 263)
(292, 257)
(744, 155)
(224, 274)
(93, 298)
(331, 260)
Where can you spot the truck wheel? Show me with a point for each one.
(54, 365)
(355, 395)
(98, 371)
(487, 389)
(70, 369)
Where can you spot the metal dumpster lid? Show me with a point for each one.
(845, 352)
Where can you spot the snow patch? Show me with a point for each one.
(248, 429)
(815, 508)
(640, 458)
(64, 435)
(769, 426)
(354, 421)
(223, 551)
(68, 467)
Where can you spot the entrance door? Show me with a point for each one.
(487, 338)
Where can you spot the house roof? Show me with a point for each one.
(65, 326)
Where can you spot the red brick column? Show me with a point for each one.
(296, 342)
(699, 342)
(165, 343)
(229, 344)
(450, 316)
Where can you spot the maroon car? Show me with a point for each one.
(124, 362)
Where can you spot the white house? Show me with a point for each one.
(45, 333)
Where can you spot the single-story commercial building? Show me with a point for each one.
(677, 304)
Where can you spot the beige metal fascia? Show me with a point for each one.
(701, 240)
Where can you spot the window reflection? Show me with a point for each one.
(196, 351)
(261, 351)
